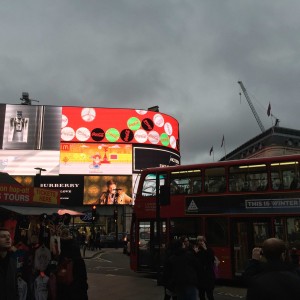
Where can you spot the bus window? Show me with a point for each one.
(149, 184)
(285, 175)
(185, 182)
(293, 230)
(280, 228)
(248, 178)
(215, 180)
(260, 232)
(216, 231)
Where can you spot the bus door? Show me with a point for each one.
(247, 234)
(150, 250)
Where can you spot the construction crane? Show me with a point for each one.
(261, 126)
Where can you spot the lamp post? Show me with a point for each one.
(37, 179)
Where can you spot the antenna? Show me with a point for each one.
(26, 100)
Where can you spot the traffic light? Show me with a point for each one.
(94, 212)
(116, 215)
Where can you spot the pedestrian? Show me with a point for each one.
(181, 270)
(270, 276)
(187, 244)
(71, 276)
(206, 271)
(8, 268)
(169, 289)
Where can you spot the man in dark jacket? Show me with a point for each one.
(181, 271)
(8, 268)
(275, 278)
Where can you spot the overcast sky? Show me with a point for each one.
(185, 56)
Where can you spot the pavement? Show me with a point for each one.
(116, 287)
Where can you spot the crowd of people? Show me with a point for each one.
(189, 270)
(42, 271)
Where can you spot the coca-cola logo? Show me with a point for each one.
(127, 135)
(97, 134)
(147, 124)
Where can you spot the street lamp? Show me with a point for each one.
(37, 179)
(40, 170)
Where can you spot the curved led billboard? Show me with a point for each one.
(116, 125)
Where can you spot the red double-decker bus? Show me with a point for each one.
(235, 204)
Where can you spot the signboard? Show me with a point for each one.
(14, 194)
(27, 127)
(150, 157)
(97, 159)
(117, 125)
(240, 204)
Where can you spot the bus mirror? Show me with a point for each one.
(164, 195)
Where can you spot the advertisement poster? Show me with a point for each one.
(90, 158)
(109, 125)
(107, 190)
(13, 194)
(24, 162)
(27, 127)
(146, 157)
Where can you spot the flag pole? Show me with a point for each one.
(223, 144)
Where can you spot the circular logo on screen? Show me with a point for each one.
(141, 136)
(64, 121)
(134, 123)
(88, 114)
(165, 140)
(153, 137)
(82, 134)
(67, 134)
(112, 134)
(126, 135)
(97, 134)
(158, 120)
(147, 124)
(168, 128)
(141, 111)
(173, 142)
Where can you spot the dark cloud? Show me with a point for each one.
(184, 56)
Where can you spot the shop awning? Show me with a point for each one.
(35, 211)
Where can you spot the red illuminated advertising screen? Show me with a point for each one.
(115, 125)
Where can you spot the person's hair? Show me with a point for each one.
(273, 248)
(201, 238)
(110, 182)
(3, 229)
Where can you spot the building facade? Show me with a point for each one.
(82, 150)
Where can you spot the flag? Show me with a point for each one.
(269, 110)
(223, 140)
(211, 150)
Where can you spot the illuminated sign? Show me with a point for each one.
(92, 158)
(24, 162)
(27, 127)
(71, 188)
(107, 190)
(145, 157)
(14, 194)
(119, 126)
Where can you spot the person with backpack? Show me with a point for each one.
(71, 275)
